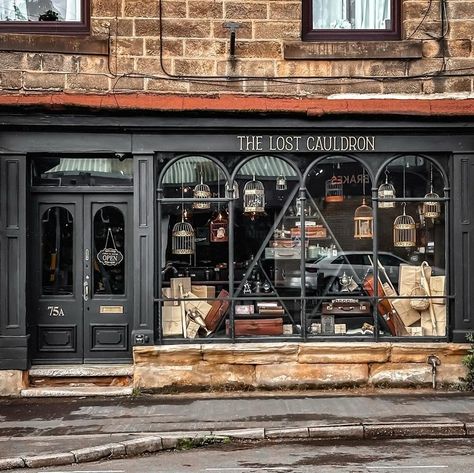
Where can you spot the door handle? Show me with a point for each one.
(85, 293)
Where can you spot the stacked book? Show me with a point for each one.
(270, 309)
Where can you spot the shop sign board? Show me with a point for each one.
(300, 143)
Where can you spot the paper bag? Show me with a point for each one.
(167, 294)
(437, 287)
(410, 277)
(171, 321)
(406, 312)
(440, 317)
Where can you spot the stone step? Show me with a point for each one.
(77, 391)
(80, 371)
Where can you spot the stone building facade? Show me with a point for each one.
(141, 85)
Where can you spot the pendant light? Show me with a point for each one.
(183, 239)
(431, 209)
(334, 189)
(363, 217)
(386, 192)
(202, 191)
(254, 198)
(404, 227)
(281, 184)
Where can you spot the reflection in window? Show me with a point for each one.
(82, 172)
(57, 251)
(109, 251)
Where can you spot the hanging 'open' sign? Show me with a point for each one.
(109, 257)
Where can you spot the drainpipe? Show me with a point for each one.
(434, 361)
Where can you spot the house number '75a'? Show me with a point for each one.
(55, 311)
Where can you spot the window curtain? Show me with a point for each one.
(29, 10)
(372, 14)
(355, 14)
(13, 10)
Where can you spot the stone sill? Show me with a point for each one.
(42, 43)
(353, 50)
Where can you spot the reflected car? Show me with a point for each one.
(357, 264)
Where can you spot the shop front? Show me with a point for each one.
(175, 240)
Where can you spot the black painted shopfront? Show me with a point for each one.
(126, 230)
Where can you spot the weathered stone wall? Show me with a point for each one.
(293, 365)
(195, 53)
(11, 383)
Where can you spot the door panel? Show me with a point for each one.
(107, 312)
(55, 279)
(81, 297)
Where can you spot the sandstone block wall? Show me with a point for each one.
(187, 52)
(294, 365)
(11, 383)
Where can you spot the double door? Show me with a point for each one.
(79, 282)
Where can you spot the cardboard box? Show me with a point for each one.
(171, 321)
(166, 293)
(206, 292)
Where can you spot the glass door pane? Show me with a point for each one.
(109, 251)
(57, 251)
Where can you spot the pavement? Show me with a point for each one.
(60, 431)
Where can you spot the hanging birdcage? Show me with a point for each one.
(202, 191)
(386, 192)
(281, 184)
(183, 239)
(404, 231)
(431, 209)
(363, 221)
(334, 190)
(254, 197)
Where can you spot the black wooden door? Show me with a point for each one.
(79, 279)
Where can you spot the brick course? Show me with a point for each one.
(197, 43)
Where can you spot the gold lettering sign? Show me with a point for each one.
(111, 309)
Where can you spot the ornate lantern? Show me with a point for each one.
(254, 198)
(183, 238)
(363, 221)
(334, 190)
(386, 192)
(431, 209)
(202, 191)
(404, 230)
(219, 228)
(281, 184)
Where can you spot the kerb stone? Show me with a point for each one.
(53, 459)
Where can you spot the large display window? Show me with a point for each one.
(273, 246)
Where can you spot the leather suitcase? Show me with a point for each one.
(218, 310)
(347, 308)
(250, 327)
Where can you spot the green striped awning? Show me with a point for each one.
(188, 170)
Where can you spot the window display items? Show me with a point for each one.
(202, 191)
(431, 209)
(254, 198)
(404, 231)
(363, 221)
(183, 238)
(281, 184)
(219, 227)
(334, 190)
(386, 192)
